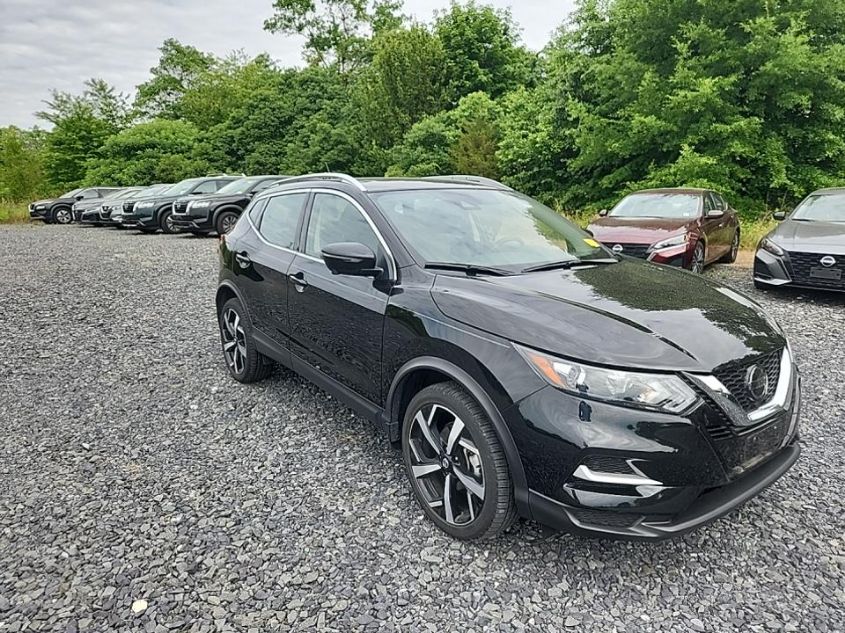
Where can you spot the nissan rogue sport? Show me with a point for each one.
(524, 368)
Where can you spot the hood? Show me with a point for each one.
(630, 314)
(638, 230)
(84, 205)
(811, 237)
(49, 201)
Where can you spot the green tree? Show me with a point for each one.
(81, 124)
(462, 140)
(22, 175)
(178, 69)
(336, 32)
(481, 46)
(727, 93)
(157, 151)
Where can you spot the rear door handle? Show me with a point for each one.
(298, 280)
(243, 259)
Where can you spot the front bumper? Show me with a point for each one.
(89, 217)
(39, 214)
(778, 271)
(189, 222)
(603, 470)
(135, 220)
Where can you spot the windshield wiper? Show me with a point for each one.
(568, 263)
(469, 269)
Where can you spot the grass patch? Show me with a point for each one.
(11, 211)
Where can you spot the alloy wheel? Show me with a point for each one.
(228, 223)
(168, 223)
(234, 341)
(63, 216)
(698, 260)
(446, 465)
(735, 247)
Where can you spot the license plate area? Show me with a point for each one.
(826, 273)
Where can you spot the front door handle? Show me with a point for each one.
(243, 259)
(298, 280)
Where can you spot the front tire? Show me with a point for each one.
(165, 222)
(697, 263)
(456, 464)
(243, 360)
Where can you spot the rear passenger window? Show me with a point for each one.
(280, 219)
(255, 211)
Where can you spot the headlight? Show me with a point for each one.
(40, 206)
(768, 245)
(659, 392)
(200, 204)
(676, 240)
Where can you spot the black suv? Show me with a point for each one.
(153, 213)
(524, 368)
(59, 210)
(219, 211)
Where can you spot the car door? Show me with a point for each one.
(336, 320)
(731, 220)
(262, 259)
(712, 227)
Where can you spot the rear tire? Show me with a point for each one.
(243, 360)
(730, 256)
(456, 464)
(225, 222)
(62, 215)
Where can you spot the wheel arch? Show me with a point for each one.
(225, 291)
(55, 209)
(426, 370)
(219, 210)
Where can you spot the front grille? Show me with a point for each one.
(127, 206)
(180, 206)
(802, 265)
(632, 250)
(733, 376)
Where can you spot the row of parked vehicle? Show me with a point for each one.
(684, 227)
(196, 205)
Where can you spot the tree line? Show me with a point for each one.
(744, 96)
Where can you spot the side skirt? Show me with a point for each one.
(344, 394)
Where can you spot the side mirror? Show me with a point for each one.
(350, 258)
(715, 213)
(779, 215)
(603, 212)
(78, 196)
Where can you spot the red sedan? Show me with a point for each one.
(688, 228)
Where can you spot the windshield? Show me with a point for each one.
(239, 186)
(481, 227)
(71, 193)
(657, 205)
(151, 191)
(115, 193)
(179, 188)
(825, 208)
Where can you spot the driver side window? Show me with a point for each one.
(335, 219)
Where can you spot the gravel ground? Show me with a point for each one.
(142, 489)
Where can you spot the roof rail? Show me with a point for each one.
(326, 176)
(479, 180)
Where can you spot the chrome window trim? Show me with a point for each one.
(391, 262)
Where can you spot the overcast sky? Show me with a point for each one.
(47, 44)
